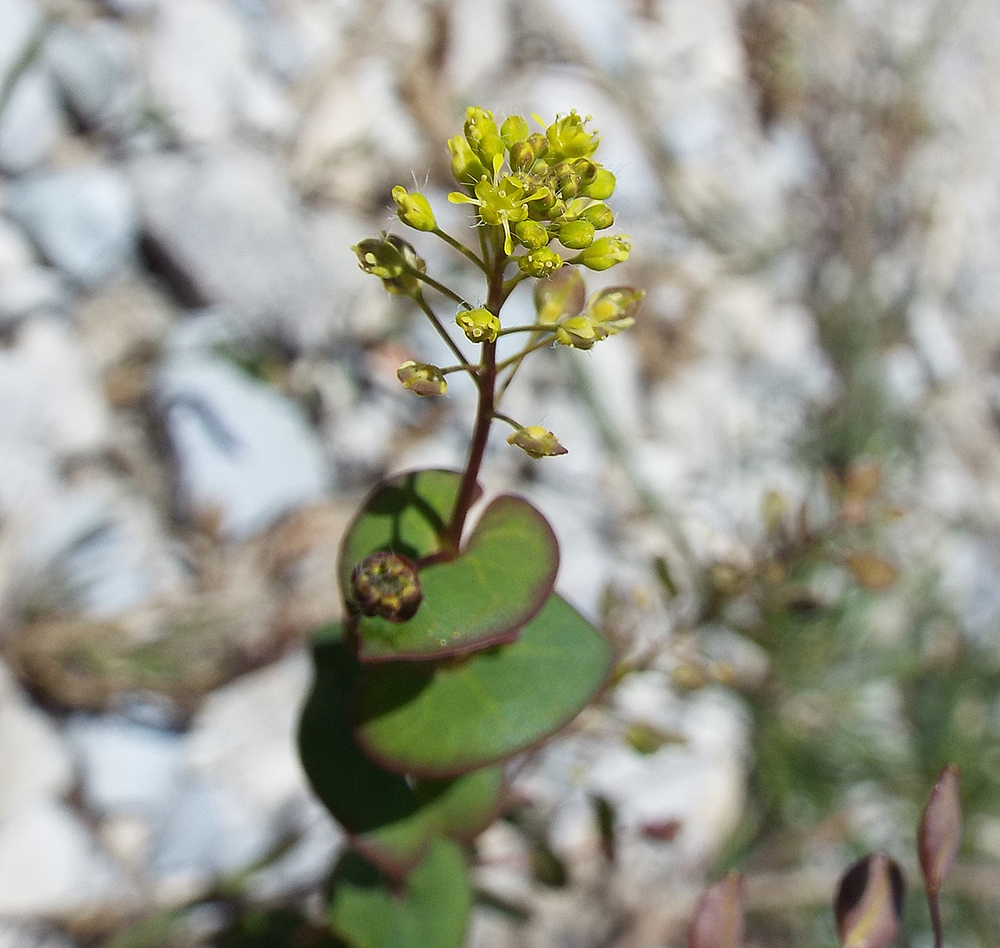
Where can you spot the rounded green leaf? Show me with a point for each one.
(390, 819)
(366, 912)
(482, 597)
(439, 719)
(407, 514)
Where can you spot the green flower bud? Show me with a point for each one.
(604, 253)
(539, 144)
(531, 235)
(393, 261)
(601, 188)
(482, 135)
(613, 310)
(521, 156)
(576, 235)
(586, 170)
(421, 378)
(479, 325)
(600, 215)
(465, 165)
(536, 442)
(386, 584)
(540, 262)
(577, 331)
(568, 136)
(414, 209)
(514, 129)
(559, 296)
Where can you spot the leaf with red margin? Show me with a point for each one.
(391, 819)
(483, 597)
(439, 719)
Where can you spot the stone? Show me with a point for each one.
(49, 395)
(39, 764)
(51, 866)
(244, 736)
(125, 767)
(229, 231)
(208, 831)
(245, 454)
(83, 219)
(30, 122)
(197, 60)
(22, 22)
(34, 290)
(97, 74)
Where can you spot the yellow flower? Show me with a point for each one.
(479, 325)
(536, 442)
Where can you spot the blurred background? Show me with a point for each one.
(781, 498)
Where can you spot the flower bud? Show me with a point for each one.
(465, 165)
(393, 261)
(604, 253)
(536, 442)
(559, 296)
(586, 170)
(531, 235)
(718, 917)
(569, 137)
(482, 135)
(514, 129)
(613, 309)
(479, 325)
(540, 262)
(598, 214)
(869, 903)
(422, 378)
(521, 156)
(602, 187)
(386, 584)
(539, 144)
(414, 209)
(577, 331)
(576, 235)
(940, 829)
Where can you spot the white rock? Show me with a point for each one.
(20, 936)
(48, 394)
(97, 74)
(51, 866)
(125, 767)
(38, 765)
(197, 60)
(244, 736)
(31, 291)
(207, 832)
(243, 451)
(231, 227)
(30, 123)
(21, 21)
(83, 219)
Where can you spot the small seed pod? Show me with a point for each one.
(386, 584)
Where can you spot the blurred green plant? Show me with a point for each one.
(455, 653)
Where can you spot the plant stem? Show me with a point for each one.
(462, 249)
(441, 331)
(935, 906)
(486, 380)
(441, 288)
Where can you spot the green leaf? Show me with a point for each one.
(390, 819)
(407, 514)
(439, 719)
(482, 597)
(433, 913)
